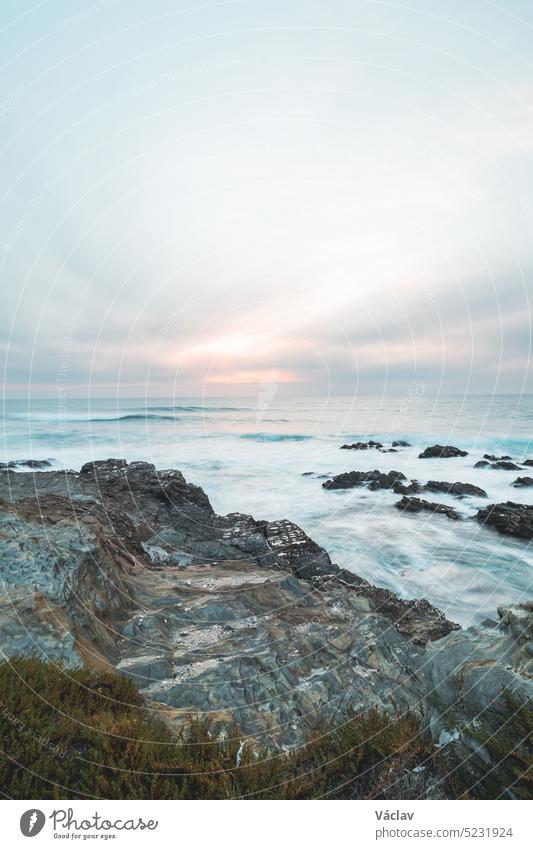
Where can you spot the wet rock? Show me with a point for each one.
(442, 451)
(418, 505)
(374, 480)
(527, 463)
(508, 518)
(524, 481)
(457, 488)
(362, 446)
(401, 443)
(481, 464)
(29, 464)
(495, 459)
(505, 464)
(412, 488)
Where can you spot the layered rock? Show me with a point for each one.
(246, 621)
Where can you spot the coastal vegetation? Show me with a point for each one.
(87, 734)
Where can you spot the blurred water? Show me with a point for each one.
(250, 457)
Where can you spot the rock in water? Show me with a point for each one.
(418, 505)
(524, 481)
(509, 518)
(456, 488)
(442, 451)
(374, 480)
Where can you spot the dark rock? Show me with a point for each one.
(374, 480)
(418, 505)
(362, 446)
(508, 518)
(407, 489)
(401, 443)
(29, 464)
(389, 450)
(525, 481)
(495, 459)
(307, 474)
(481, 464)
(527, 463)
(442, 451)
(505, 464)
(456, 488)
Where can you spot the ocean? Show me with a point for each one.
(252, 454)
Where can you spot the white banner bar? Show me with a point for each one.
(283, 825)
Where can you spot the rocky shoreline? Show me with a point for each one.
(242, 620)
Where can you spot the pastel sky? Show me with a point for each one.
(207, 196)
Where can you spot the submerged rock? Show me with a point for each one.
(509, 518)
(374, 480)
(505, 464)
(418, 505)
(442, 451)
(401, 443)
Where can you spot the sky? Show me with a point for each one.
(207, 197)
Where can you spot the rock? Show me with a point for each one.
(469, 673)
(389, 450)
(401, 443)
(407, 489)
(481, 464)
(29, 464)
(495, 459)
(457, 488)
(418, 505)
(362, 446)
(505, 464)
(508, 518)
(268, 636)
(524, 481)
(527, 462)
(442, 451)
(374, 480)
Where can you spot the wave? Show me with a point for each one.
(134, 417)
(276, 437)
(189, 409)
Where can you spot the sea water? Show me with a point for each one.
(251, 455)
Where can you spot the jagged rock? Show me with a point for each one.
(524, 481)
(505, 464)
(374, 480)
(401, 443)
(418, 505)
(456, 488)
(494, 459)
(265, 634)
(442, 451)
(469, 673)
(527, 463)
(508, 518)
